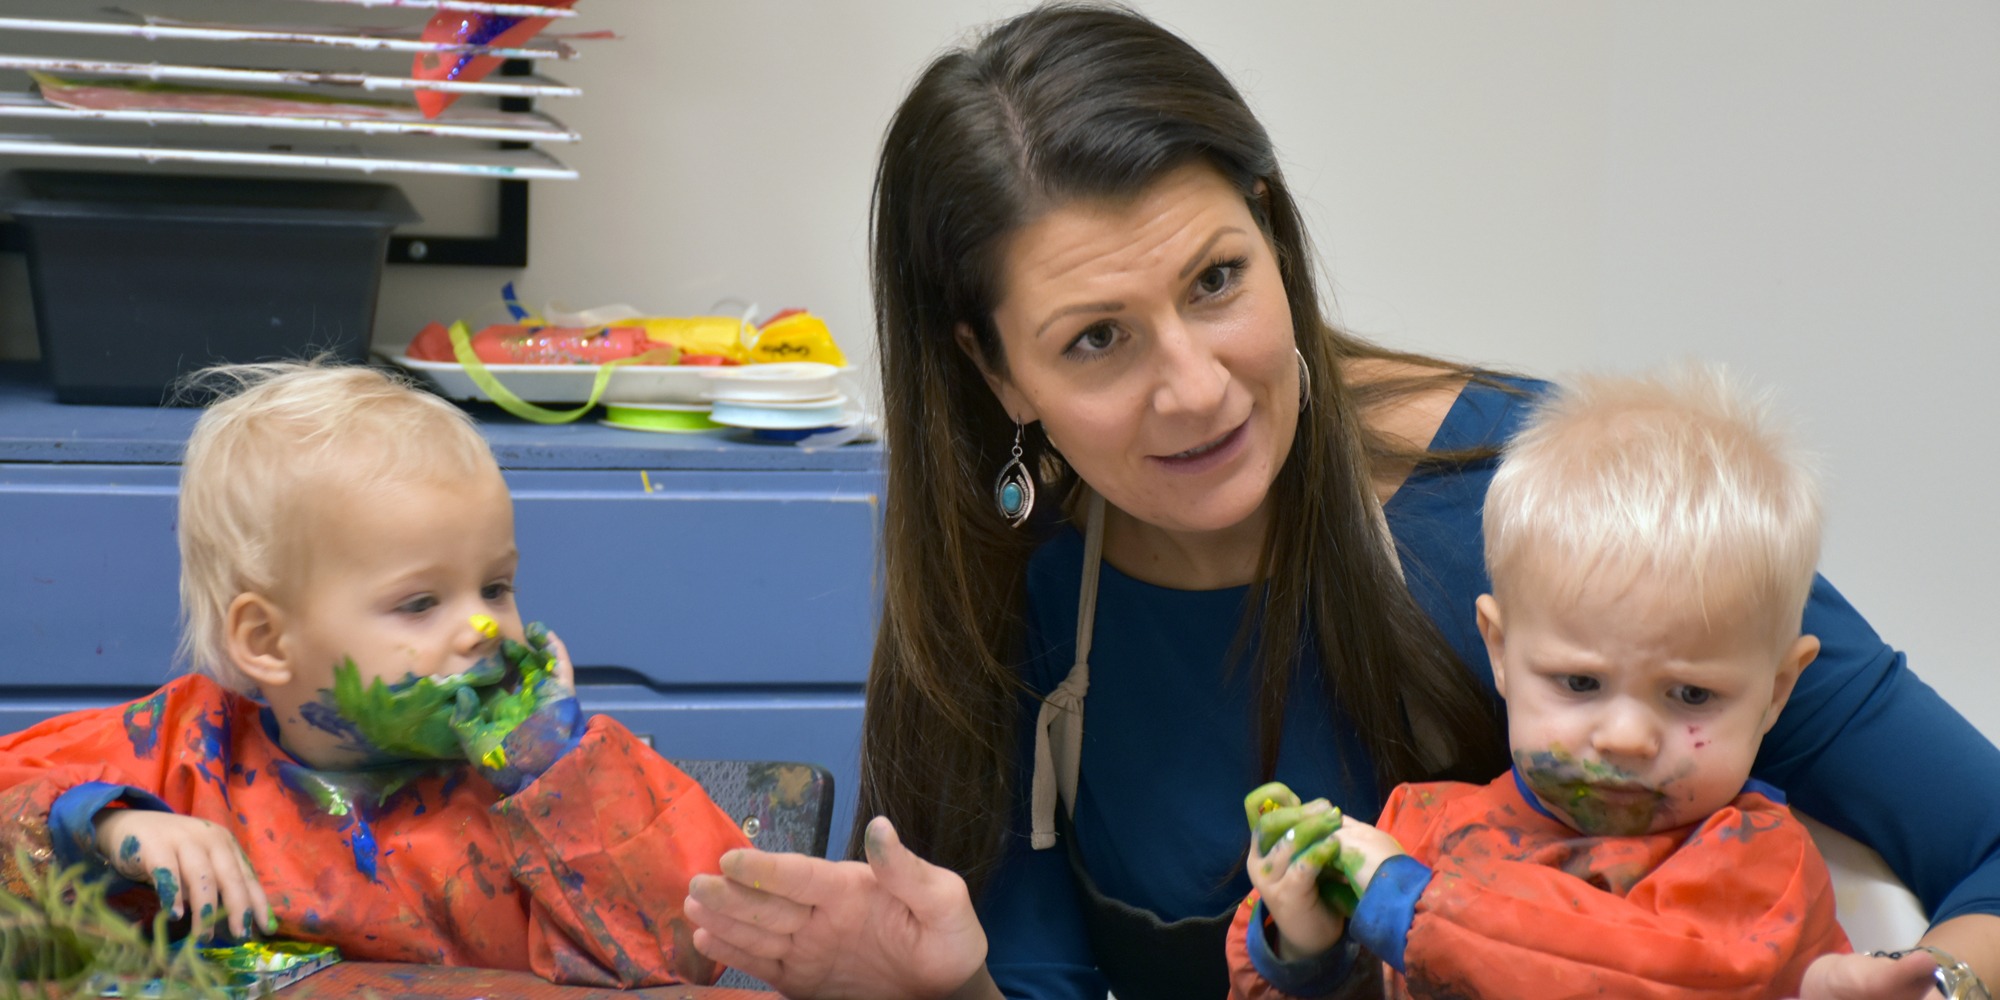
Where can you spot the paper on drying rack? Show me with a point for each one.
(477, 6)
(525, 86)
(363, 39)
(459, 123)
(507, 164)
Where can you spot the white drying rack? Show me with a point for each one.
(343, 119)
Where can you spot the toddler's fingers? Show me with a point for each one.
(233, 879)
(260, 902)
(199, 888)
(565, 671)
(165, 875)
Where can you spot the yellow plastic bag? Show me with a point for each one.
(796, 335)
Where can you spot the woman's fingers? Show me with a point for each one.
(769, 970)
(805, 880)
(761, 912)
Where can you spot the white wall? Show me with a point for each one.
(1808, 190)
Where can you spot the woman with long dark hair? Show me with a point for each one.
(1156, 532)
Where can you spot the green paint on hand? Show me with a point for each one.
(128, 851)
(1275, 814)
(166, 887)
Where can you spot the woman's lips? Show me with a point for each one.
(1202, 458)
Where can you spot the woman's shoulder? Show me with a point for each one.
(1433, 407)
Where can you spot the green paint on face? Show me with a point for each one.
(410, 719)
(1594, 797)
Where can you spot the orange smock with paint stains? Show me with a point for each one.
(1519, 906)
(578, 878)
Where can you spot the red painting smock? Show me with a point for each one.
(578, 878)
(1519, 906)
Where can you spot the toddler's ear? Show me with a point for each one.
(1796, 659)
(254, 628)
(1490, 629)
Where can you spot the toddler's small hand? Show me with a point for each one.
(1288, 881)
(193, 864)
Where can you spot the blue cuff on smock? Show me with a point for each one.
(1312, 976)
(1382, 921)
(73, 823)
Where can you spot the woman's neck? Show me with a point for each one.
(1208, 560)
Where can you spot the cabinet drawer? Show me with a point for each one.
(821, 728)
(685, 578)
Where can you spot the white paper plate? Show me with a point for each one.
(571, 383)
(757, 418)
(785, 381)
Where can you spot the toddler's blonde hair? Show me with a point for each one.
(1682, 478)
(282, 448)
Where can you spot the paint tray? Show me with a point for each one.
(253, 969)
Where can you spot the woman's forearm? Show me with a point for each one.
(1973, 939)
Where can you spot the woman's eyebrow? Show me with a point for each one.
(1201, 256)
(1085, 307)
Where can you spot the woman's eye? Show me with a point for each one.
(1217, 279)
(417, 605)
(1688, 694)
(1094, 340)
(496, 591)
(1578, 683)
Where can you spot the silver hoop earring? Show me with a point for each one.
(1014, 490)
(1305, 381)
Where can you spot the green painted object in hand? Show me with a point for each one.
(1275, 813)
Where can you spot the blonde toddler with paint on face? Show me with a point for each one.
(1651, 544)
(372, 750)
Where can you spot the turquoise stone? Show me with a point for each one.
(1010, 498)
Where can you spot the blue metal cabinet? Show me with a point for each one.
(717, 595)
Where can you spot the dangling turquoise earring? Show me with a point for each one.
(1014, 491)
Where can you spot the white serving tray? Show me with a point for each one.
(570, 383)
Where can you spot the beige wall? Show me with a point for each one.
(1808, 190)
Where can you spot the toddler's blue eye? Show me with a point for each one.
(1579, 683)
(1688, 694)
(496, 591)
(417, 605)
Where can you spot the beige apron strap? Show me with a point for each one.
(1059, 724)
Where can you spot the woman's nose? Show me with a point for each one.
(1191, 378)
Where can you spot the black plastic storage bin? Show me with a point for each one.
(139, 279)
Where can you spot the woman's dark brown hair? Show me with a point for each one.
(1085, 102)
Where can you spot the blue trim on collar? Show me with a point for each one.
(1529, 794)
(1763, 788)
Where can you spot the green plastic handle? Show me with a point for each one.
(461, 348)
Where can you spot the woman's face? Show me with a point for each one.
(1153, 340)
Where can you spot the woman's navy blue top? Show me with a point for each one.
(1168, 753)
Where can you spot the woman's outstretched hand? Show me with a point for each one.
(1861, 977)
(895, 927)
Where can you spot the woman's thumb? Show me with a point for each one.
(898, 870)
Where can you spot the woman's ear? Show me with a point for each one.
(254, 630)
(1016, 405)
